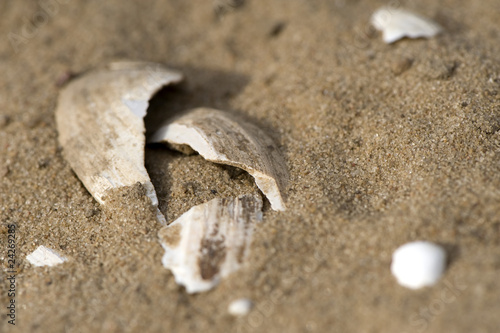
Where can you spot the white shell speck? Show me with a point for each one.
(418, 264)
(44, 256)
(210, 241)
(398, 23)
(240, 307)
(222, 138)
(101, 129)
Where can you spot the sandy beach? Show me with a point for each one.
(385, 144)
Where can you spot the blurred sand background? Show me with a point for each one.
(385, 144)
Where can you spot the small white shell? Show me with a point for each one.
(240, 307)
(398, 23)
(43, 256)
(418, 264)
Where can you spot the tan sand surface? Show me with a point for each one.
(385, 144)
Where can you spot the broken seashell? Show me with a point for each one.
(221, 138)
(101, 129)
(44, 256)
(418, 264)
(398, 23)
(210, 241)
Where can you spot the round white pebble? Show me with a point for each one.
(418, 264)
(240, 307)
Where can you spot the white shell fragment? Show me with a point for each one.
(210, 241)
(240, 307)
(398, 23)
(43, 256)
(100, 122)
(418, 264)
(221, 138)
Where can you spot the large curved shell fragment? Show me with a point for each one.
(221, 138)
(398, 23)
(210, 241)
(101, 129)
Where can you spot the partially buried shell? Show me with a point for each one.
(221, 138)
(210, 241)
(100, 122)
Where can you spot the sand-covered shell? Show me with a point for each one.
(222, 138)
(101, 129)
(210, 241)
